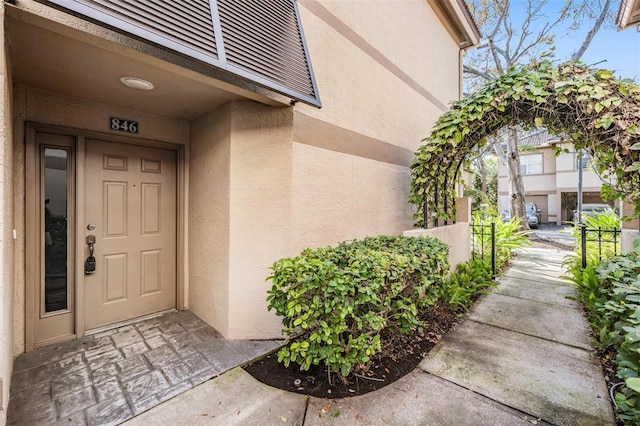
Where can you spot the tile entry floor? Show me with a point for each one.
(109, 377)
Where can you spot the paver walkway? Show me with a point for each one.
(109, 377)
(522, 357)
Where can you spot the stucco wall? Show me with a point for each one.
(548, 160)
(43, 107)
(209, 166)
(566, 160)
(375, 67)
(6, 227)
(627, 210)
(305, 177)
(545, 183)
(350, 173)
(340, 197)
(568, 181)
(626, 240)
(456, 236)
(260, 210)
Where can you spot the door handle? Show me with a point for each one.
(90, 263)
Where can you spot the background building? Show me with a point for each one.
(551, 181)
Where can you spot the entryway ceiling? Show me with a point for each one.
(70, 66)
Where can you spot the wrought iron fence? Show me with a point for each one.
(604, 242)
(483, 243)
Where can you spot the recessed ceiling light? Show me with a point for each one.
(137, 83)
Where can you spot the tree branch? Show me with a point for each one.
(543, 36)
(502, 16)
(596, 26)
(477, 73)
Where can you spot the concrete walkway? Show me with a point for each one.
(522, 357)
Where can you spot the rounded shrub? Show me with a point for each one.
(337, 301)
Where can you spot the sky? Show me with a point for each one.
(619, 49)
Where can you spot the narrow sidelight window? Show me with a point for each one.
(55, 236)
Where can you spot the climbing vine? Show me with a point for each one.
(586, 106)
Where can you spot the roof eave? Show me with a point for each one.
(628, 15)
(457, 15)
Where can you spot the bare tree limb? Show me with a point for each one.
(503, 13)
(543, 36)
(497, 148)
(477, 73)
(596, 27)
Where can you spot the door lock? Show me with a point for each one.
(90, 263)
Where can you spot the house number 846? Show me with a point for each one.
(123, 125)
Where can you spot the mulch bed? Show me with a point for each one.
(543, 242)
(399, 356)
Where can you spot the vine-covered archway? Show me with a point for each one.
(589, 107)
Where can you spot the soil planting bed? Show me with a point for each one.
(399, 355)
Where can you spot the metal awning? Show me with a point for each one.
(260, 41)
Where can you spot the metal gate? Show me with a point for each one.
(604, 242)
(483, 243)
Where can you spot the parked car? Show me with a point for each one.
(592, 210)
(533, 215)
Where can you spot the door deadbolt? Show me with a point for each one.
(91, 227)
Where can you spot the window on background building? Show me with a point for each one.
(531, 164)
(583, 162)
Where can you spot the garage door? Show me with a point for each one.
(543, 204)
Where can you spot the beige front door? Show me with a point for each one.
(130, 208)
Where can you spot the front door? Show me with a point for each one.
(130, 209)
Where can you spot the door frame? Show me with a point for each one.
(32, 218)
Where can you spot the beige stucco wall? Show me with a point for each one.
(378, 76)
(282, 197)
(240, 203)
(306, 177)
(39, 106)
(260, 210)
(566, 160)
(548, 160)
(6, 226)
(380, 98)
(463, 209)
(209, 166)
(456, 236)
(537, 184)
(627, 210)
(568, 181)
(340, 197)
(626, 239)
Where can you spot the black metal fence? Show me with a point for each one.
(483, 244)
(604, 242)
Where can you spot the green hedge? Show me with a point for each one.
(620, 276)
(341, 298)
(610, 293)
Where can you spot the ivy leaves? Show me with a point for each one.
(592, 108)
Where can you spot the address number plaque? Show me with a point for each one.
(123, 125)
